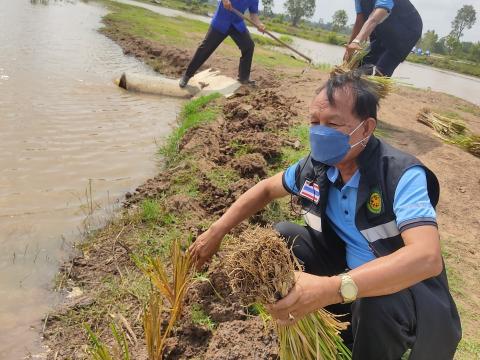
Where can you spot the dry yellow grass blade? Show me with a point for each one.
(173, 290)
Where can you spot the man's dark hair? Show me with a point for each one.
(366, 99)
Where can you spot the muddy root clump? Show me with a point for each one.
(260, 267)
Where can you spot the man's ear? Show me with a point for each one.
(370, 125)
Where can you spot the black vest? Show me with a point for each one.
(401, 29)
(381, 166)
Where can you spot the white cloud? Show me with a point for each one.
(436, 14)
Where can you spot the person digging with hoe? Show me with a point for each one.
(226, 23)
(370, 247)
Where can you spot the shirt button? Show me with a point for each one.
(344, 196)
(346, 212)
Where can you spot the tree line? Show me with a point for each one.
(451, 44)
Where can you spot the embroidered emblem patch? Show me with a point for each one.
(374, 204)
(310, 191)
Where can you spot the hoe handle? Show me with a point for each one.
(238, 13)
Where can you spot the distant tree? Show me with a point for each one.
(267, 7)
(452, 44)
(429, 40)
(298, 9)
(465, 19)
(339, 20)
(440, 46)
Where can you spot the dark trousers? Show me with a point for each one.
(387, 53)
(383, 327)
(385, 60)
(213, 39)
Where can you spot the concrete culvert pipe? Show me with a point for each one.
(156, 85)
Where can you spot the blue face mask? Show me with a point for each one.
(330, 146)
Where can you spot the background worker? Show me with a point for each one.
(393, 27)
(370, 243)
(226, 23)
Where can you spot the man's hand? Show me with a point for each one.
(261, 27)
(350, 50)
(310, 293)
(204, 247)
(227, 4)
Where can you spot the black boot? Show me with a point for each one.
(184, 81)
(247, 82)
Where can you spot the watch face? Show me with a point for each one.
(349, 291)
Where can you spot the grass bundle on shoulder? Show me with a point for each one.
(261, 270)
(380, 85)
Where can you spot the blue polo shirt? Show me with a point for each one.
(384, 4)
(223, 18)
(411, 202)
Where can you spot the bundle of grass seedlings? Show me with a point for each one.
(451, 130)
(381, 85)
(261, 270)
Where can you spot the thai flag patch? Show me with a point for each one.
(311, 191)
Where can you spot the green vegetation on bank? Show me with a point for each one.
(306, 31)
(447, 63)
(193, 114)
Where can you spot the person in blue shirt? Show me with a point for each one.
(393, 27)
(226, 23)
(370, 244)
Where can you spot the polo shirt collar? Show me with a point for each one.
(333, 175)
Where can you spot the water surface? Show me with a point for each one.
(63, 125)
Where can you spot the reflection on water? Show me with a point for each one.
(64, 125)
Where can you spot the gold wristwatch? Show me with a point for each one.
(348, 289)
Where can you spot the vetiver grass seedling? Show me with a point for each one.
(166, 299)
(261, 269)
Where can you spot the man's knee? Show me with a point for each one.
(288, 231)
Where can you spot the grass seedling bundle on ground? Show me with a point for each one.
(451, 130)
(261, 270)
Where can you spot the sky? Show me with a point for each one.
(436, 14)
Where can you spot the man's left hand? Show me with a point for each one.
(261, 27)
(309, 293)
